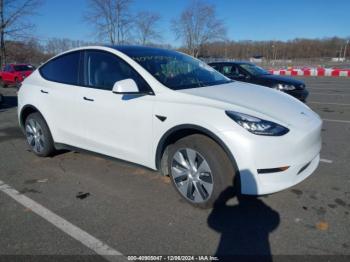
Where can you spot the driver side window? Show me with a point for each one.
(230, 70)
(103, 69)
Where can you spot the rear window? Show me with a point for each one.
(23, 68)
(63, 69)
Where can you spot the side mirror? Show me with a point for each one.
(126, 86)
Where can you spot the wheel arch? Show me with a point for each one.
(177, 132)
(26, 111)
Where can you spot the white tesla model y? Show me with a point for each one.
(168, 111)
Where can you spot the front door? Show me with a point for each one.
(117, 125)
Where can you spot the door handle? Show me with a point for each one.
(88, 99)
(43, 91)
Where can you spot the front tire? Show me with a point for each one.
(38, 135)
(200, 170)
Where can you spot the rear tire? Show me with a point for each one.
(200, 170)
(38, 135)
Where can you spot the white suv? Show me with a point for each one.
(166, 110)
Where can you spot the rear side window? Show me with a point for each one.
(215, 66)
(23, 68)
(63, 69)
(103, 69)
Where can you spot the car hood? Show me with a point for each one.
(258, 101)
(282, 80)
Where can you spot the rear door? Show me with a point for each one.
(59, 97)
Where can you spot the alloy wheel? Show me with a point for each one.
(192, 175)
(35, 136)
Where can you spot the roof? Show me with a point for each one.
(134, 49)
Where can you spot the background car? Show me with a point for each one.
(248, 72)
(13, 74)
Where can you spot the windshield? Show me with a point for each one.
(175, 70)
(254, 70)
(23, 68)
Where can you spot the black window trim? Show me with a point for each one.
(81, 67)
(57, 57)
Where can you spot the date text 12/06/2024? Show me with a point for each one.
(172, 258)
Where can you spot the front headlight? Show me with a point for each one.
(283, 87)
(256, 125)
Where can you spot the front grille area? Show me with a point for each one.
(300, 87)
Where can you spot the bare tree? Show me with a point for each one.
(198, 25)
(29, 51)
(146, 27)
(299, 48)
(111, 19)
(14, 22)
(56, 45)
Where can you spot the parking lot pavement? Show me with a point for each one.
(135, 211)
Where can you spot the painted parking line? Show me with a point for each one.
(75, 232)
(325, 103)
(336, 121)
(326, 161)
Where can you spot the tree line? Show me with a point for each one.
(279, 50)
(198, 27)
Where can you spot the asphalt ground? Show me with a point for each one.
(135, 211)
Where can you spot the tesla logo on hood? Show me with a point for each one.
(303, 113)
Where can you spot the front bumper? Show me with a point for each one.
(299, 150)
(274, 182)
(299, 94)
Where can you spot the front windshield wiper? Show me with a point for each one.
(186, 86)
(214, 83)
(201, 84)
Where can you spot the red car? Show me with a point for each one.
(13, 74)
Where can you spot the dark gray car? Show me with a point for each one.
(248, 72)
